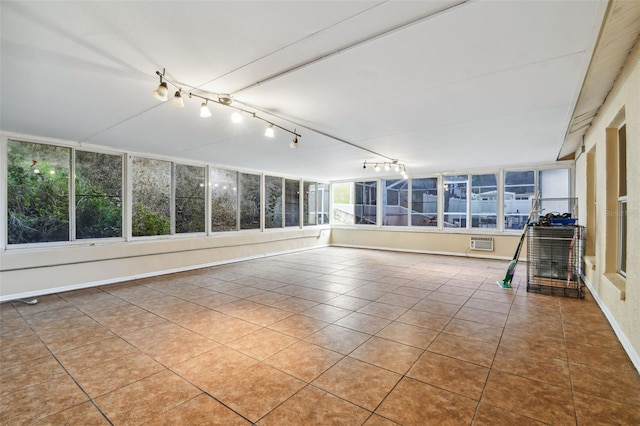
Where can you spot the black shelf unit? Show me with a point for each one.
(554, 255)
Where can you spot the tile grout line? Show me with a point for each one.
(67, 371)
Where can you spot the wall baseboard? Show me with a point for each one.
(626, 344)
(442, 253)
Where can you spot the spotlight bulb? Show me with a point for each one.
(294, 143)
(377, 168)
(236, 117)
(269, 131)
(204, 110)
(177, 100)
(387, 167)
(161, 92)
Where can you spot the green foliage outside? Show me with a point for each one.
(151, 197)
(98, 195)
(190, 199)
(250, 201)
(147, 222)
(342, 193)
(38, 203)
(97, 215)
(273, 202)
(223, 212)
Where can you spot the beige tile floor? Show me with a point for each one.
(332, 336)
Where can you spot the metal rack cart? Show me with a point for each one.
(555, 260)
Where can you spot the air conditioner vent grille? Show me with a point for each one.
(481, 243)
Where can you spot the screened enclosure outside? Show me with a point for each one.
(519, 193)
(190, 200)
(98, 195)
(355, 203)
(323, 203)
(249, 186)
(37, 192)
(554, 192)
(395, 210)
(424, 201)
(224, 200)
(484, 200)
(315, 203)
(292, 202)
(455, 200)
(309, 203)
(366, 211)
(272, 202)
(151, 182)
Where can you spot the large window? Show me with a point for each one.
(170, 198)
(190, 198)
(366, 202)
(272, 202)
(455, 201)
(98, 191)
(151, 197)
(396, 202)
(309, 203)
(292, 202)
(315, 203)
(38, 192)
(519, 193)
(224, 200)
(424, 202)
(249, 185)
(323, 203)
(484, 201)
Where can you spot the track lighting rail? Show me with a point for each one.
(162, 91)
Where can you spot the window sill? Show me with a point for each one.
(590, 262)
(619, 282)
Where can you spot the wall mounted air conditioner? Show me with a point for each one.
(481, 243)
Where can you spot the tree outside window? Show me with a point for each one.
(151, 197)
(224, 200)
(98, 192)
(249, 185)
(190, 198)
(37, 192)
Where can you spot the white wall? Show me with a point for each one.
(619, 298)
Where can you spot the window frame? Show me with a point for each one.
(622, 236)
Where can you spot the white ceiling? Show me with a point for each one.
(439, 85)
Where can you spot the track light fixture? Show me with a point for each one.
(177, 100)
(388, 165)
(204, 110)
(269, 131)
(161, 93)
